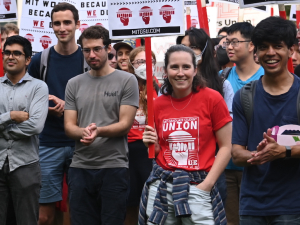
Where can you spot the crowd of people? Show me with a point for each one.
(78, 114)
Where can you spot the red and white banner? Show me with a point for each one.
(92, 13)
(131, 19)
(8, 10)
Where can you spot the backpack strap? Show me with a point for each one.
(247, 100)
(225, 73)
(44, 62)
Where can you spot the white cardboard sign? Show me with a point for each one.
(8, 10)
(92, 13)
(150, 18)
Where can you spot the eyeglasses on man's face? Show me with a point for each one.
(110, 56)
(96, 50)
(16, 54)
(234, 42)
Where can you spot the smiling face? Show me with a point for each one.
(15, 65)
(64, 26)
(123, 58)
(181, 72)
(240, 52)
(273, 57)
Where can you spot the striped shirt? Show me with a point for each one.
(181, 180)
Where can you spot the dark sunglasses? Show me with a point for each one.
(110, 56)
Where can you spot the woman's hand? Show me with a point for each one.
(149, 136)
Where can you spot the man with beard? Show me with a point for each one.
(99, 112)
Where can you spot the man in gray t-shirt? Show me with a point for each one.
(99, 112)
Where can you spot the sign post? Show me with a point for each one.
(132, 19)
(202, 15)
(188, 18)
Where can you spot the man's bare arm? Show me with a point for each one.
(240, 155)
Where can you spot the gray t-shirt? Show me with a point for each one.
(98, 100)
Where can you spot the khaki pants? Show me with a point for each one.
(233, 182)
(199, 202)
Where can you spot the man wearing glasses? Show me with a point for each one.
(65, 61)
(100, 109)
(240, 51)
(23, 111)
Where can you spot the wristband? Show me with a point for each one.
(288, 152)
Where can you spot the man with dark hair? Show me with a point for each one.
(222, 32)
(240, 51)
(59, 64)
(99, 121)
(270, 189)
(23, 111)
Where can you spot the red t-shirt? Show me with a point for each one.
(138, 127)
(186, 129)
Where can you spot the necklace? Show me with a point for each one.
(184, 106)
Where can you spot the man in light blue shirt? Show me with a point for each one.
(240, 51)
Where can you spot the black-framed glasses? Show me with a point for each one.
(110, 56)
(15, 53)
(96, 50)
(234, 42)
(142, 61)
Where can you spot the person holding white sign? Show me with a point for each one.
(140, 165)
(189, 119)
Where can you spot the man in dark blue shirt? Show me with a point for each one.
(56, 149)
(270, 190)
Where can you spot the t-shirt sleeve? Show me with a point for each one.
(131, 93)
(34, 66)
(220, 114)
(239, 126)
(70, 103)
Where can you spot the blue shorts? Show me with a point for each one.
(54, 161)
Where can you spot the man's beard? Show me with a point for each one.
(100, 66)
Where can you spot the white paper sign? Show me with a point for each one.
(92, 13)
(254, 3)
(36, 23)
(293, 13)
(131, 19)
(8, 10)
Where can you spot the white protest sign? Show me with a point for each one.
(254, 3)
(8, 10)
(211, 16)
(36, 23)
(293, 13)
(92, 13)
(131, 19)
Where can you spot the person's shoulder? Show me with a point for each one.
(208, 93)
(123, 74)
(36, 58)
(37, 82)
(78, 78)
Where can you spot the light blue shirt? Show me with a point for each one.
(237, 84)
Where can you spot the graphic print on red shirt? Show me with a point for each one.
(182, 141)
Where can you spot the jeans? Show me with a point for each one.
(270, 220)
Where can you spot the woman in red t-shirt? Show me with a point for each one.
(189, 119)
(140, 165)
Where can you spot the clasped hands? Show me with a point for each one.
(89, 134)
(267, 150)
